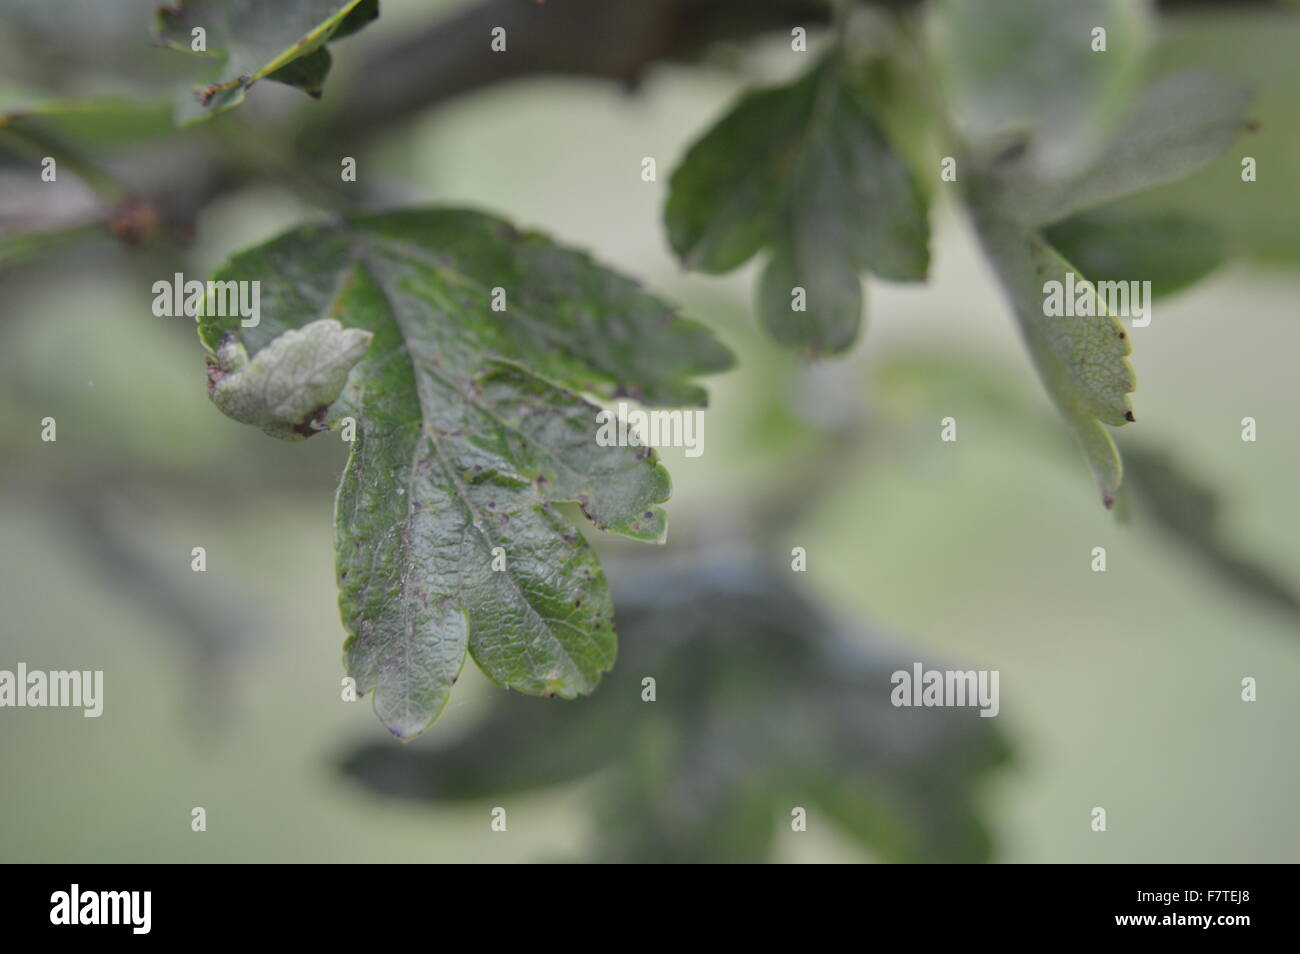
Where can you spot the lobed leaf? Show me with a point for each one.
(470, 430)
(805, 171)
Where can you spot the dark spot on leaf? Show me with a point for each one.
(1128, 416)
(1013, 151)
(215, 374)
(313, 423)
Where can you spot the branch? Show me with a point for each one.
(605, 39)
(596, 38)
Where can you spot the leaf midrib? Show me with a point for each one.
(479, 519)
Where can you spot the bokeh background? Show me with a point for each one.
(1118, 689)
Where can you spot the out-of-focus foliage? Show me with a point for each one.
(1017, 179)
(1170, 251)
(283, 41)
(762, 704)
(1182, 505)
(806, 172)
(1161, 492)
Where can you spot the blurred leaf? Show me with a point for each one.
(1024, 86)
(1258, 219)
(1189, 511)
(1082, 361)
(102, 122)
(1113, 244)
(21, 246)
(282, 41)
(1176, 126)
(763, 704)
(1034, 107)
(76, 133)
(470, 428)
(1158, 491)
(805, 171)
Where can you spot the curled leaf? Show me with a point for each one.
(254, 40)
(287, 388)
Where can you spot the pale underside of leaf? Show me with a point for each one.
(1025, 85)
(1176, 125)
(298, 374)
(1083, 361)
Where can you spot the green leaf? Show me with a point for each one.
(1169, 250)
(1082, 361)
(805, 171)
(282, 41)
(1025, 89)
(77, 132)
(470, 429)
(1257, 218)
(1034, 107)
(100, 122)
(1177, 125)
(762, 703)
